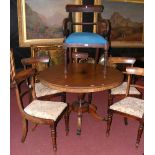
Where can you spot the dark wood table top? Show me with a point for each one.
(81, 78)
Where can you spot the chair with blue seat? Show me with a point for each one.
(97, 39)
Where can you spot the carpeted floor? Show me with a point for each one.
(92, 141)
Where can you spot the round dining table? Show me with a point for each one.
(81, 78)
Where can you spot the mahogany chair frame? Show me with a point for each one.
(126, 62)
(33, 62)
(130, 71)
(68, 25)
(18, 79)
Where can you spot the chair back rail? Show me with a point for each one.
(125, 60)
(84, 8)
(34, 61)
(102, 25)
(133, 71)
(29, 61)
(76, 56)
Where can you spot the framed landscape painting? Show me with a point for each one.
(127, 20)
(40, 21)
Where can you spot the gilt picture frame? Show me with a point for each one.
(40, 21)
(127, 22)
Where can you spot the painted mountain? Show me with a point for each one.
(39, 27)
(123, 29)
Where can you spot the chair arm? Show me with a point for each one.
(24, 74)
(104, 28)
(67, 27)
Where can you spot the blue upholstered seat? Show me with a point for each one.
(85, 38)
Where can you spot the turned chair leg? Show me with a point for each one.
(66, 117)
(109, 121)
(53, 135)
(24, 129)
(140, 131)
(63, 97)
(79, 122)
(89, 98)
(105, 61)
(97, 56)
(110, 99)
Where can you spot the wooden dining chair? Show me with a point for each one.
(119, 92)
(42, 91)
(75, 40)
(36, 111)
(130, 107)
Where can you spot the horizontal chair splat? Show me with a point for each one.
(84, 8)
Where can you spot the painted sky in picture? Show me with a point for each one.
(133, 11)
(50, 8)
(44, 18)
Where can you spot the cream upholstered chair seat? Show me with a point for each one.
(130, 105)
(45, 109)
(122, 89)
(42, 90)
